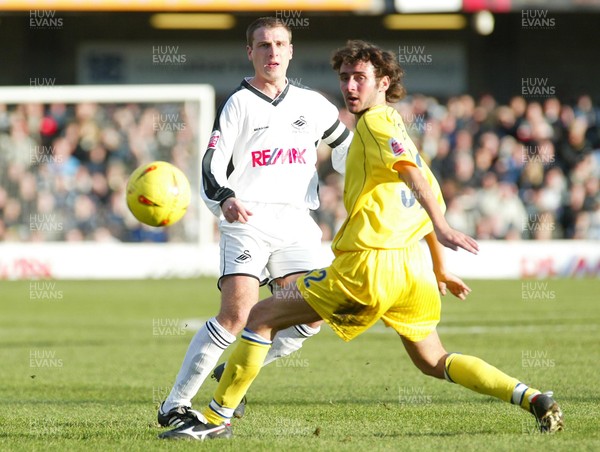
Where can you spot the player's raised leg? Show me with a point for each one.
(475, 374)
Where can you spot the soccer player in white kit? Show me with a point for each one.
(260, 179)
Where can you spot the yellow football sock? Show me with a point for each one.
(475, 374)
(242, 367)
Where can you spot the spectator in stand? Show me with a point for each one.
(464, 169)
(506, 122)
(576, 147)
(587, 110)
(510, 162)
(592, 194)
(552, 109)
(593, 230)
(511, 213)
(571, 210)
(442, 164)
(518, 106)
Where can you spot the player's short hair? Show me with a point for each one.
(265, 22)
(384, 62)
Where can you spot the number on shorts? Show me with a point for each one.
(320, 276)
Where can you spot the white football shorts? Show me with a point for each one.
(277, 241)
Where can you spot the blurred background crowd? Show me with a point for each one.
(64, 169)
(525, 170)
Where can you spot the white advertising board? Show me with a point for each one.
(497, 260)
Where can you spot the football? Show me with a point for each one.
(158, 194)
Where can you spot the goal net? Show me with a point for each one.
(65, 155)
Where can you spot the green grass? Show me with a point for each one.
(105, 352)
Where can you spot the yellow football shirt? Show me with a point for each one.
(382, 211)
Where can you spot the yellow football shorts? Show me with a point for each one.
(359, 288)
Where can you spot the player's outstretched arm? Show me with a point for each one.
(445, 279)
(422, 191)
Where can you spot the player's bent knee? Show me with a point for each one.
(260, 316)
(233, 320)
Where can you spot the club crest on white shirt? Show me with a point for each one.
(299, 123)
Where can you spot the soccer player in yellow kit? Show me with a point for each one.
(379, 271)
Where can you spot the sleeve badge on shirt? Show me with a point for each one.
(396, 146)
(214, 139)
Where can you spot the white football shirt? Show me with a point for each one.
(264, 150)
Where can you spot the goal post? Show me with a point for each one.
(65, 155)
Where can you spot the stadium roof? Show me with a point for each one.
(191, 5)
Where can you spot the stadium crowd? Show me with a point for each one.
(526, 170)
(64, 169)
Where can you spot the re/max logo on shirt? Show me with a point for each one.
(278, 156)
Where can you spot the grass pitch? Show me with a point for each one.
(85, 365)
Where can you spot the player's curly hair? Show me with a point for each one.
(384, 62)
(265, 22)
